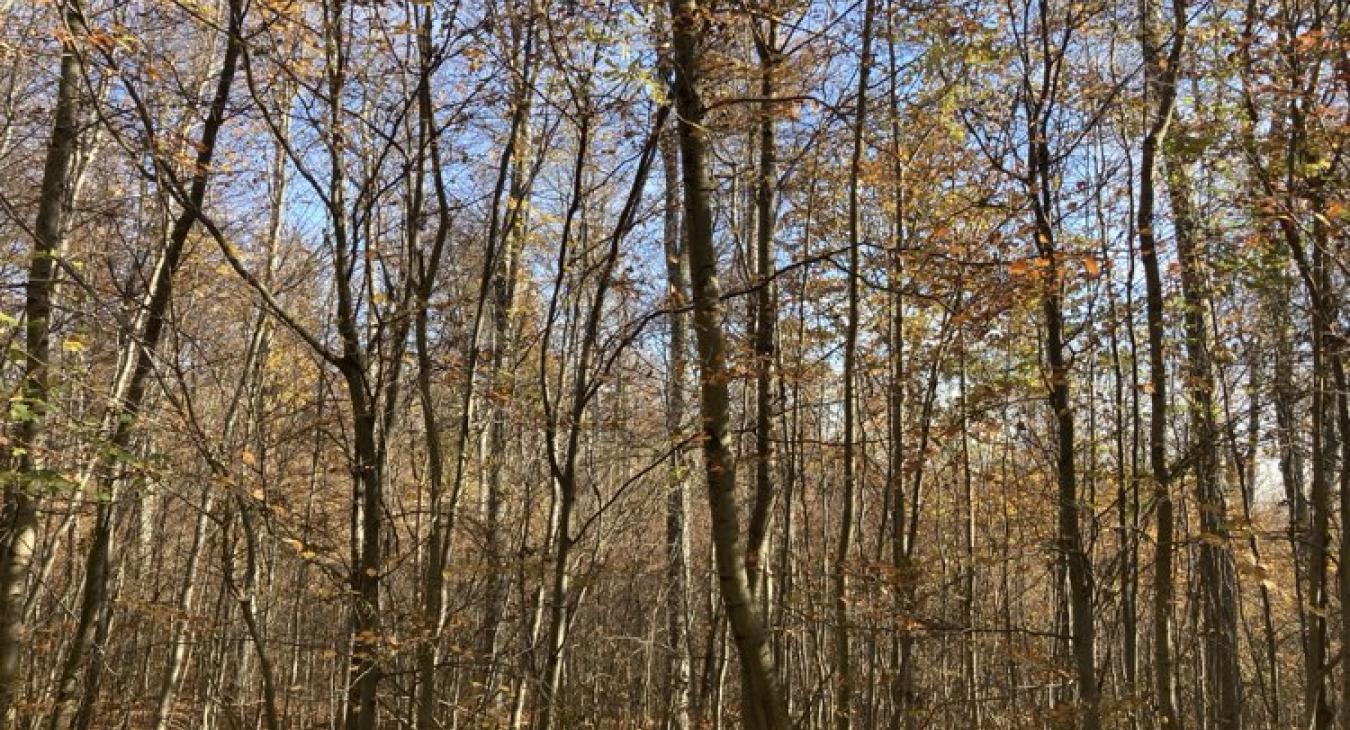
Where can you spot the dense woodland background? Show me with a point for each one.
(604, 363)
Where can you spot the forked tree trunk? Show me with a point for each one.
(1160, 87)
(747, 624)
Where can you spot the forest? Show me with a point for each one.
(694, 364)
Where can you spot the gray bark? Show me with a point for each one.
(18, 523)
(747, 623)
(677, 501)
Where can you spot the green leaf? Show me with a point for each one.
(20, 412)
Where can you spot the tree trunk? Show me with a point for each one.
(18, 523)
(747, 625)
(1217, 576)
(843, 662)
(1160, 82)
(1070, 541)
(499, 378)
(677, 500)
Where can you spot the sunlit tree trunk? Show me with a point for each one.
(18, 523)
(677, 501)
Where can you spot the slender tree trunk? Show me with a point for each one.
(971, 660)
(1343, 420)
(499, 378)
(244, 596)
(1316, 526)
(844, 687)
(764, 319)
(18, 523)
(367, 499)
(1291, 462)
(439, 534)
(444, 507)
(558, 620)
(563, 466)
(765, 316)
(562, 457)
(901, 686)
(432, 583)
(1160, 85)
(1217, 575)
(1126, 478)
(1245, 469)
(1077, 562)
(179, 643)
(677, 540)
(367, 517)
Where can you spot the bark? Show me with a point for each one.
(844, 689)
(677, 500)
(18, 523)
(688, 26)
(1160, 85)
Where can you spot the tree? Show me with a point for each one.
(23, 477)
(747, 623)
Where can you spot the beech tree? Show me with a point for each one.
(774, 364)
